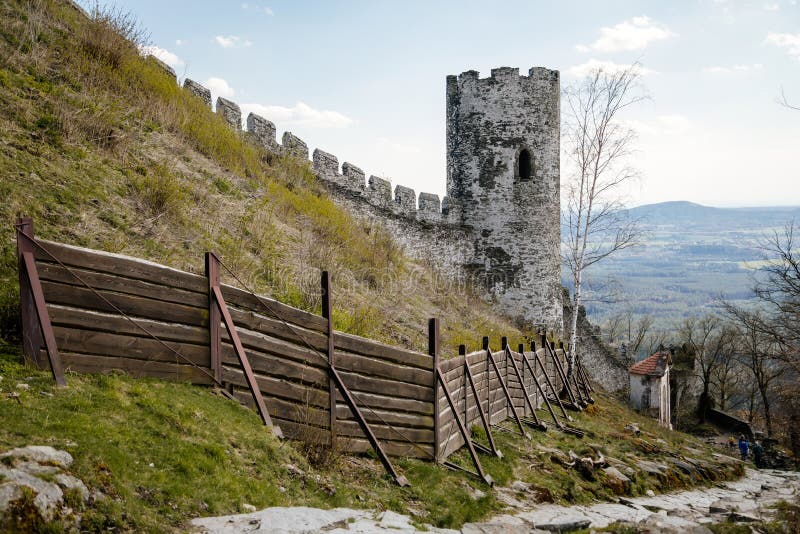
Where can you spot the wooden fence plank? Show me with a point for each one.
(130, 286)
(121, 265)
(89, 363)
(285, 389)
(272, 365)
(367, 347)
(80, 297)
(379, 416)
(105, 322)
(239, 298)
(129, 347)
(392, 403)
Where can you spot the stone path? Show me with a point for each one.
(746, 499)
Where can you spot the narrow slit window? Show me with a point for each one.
(525, 165)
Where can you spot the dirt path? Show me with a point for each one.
(748, 499)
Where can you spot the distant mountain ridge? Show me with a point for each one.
(691, 256)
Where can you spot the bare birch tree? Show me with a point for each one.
(599, 143)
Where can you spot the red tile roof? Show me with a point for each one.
(654, 365)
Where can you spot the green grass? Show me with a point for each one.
(210, 456)
(105, 150)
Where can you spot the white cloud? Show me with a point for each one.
(301, 114)
(232, 41)
(164, 55)
(789, 41)
(219, 87)
(259, 9)
(716, 69)
(772, 7)
(584, 69)
(632, 34)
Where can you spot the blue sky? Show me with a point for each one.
(366, 80)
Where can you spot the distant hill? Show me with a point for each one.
(691, 256)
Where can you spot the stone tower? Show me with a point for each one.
(503, 181)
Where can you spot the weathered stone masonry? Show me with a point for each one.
(498, 226)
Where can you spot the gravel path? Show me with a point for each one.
(746, 500)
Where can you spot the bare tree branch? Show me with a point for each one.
(599, 145)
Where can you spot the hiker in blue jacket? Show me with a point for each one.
(744, 447)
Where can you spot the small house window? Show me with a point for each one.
(525, 165)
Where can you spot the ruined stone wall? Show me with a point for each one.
(605, 366)
(502, 232)
(492, 125)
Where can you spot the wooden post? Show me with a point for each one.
(521, 350)
(433, 350)
(327, 312)
(462, 352)
(214, 317)
(485, 347)
(32, 340)
(504, 347)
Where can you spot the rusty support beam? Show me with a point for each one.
(44, 319)
(244, 362)
(509, 400)
(32, 341)
(492, 449)
(539, 425)
(464, 434)
(485, 347)
(214, 317)
(549, 382)
(433, 351)
(327, 313)
(550, 349)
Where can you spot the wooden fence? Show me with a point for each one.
(112, 312)
(493, 401)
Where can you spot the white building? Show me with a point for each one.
(650, 387)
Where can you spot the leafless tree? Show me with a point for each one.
(599, 144)
(710, 341)
(784, 101)
(760, 353)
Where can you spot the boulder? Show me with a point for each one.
(42, 454)
(618, 482)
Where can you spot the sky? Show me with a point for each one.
(365, 80)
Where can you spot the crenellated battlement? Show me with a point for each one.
(498, 226)
(376, 191)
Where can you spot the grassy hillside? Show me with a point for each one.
(104, 150)
(162, 453)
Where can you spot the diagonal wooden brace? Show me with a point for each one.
(539, 425)
(490, 356)
(464, 434)
(526, 362)
(550, 385)
(244, 362)
(362, 423)
(44, 318)
(549, 349)
(562, 427)
(485, 422)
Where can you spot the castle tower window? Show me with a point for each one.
(525, 165)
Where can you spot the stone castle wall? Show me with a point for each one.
(514, 206)
(506, 239)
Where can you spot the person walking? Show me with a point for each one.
(758, 454)
(744, 447)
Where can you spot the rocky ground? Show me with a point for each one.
(748, 500)
(36, 488)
